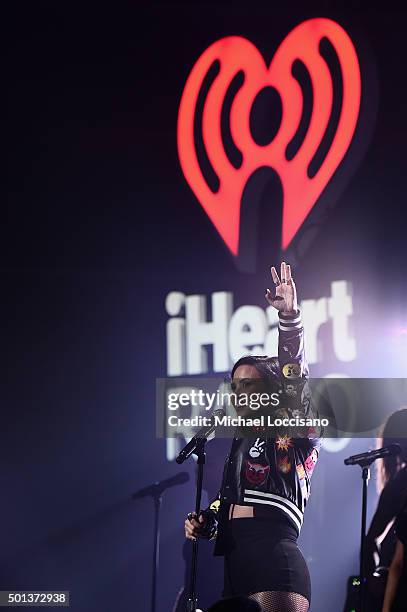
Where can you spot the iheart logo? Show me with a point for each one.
(301, 187)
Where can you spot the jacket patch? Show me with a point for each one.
(311, 461)
(291, 390)
(284, 442)
(257, 449)
(284, 464)
(292, 370)
(255, 473)
(300, 471)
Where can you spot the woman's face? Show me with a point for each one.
(247, 380)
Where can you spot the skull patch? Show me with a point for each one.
(255, 473)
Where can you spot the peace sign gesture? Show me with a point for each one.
(285, 298)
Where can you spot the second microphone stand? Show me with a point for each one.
(365, 465)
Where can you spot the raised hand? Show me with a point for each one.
(285, 296)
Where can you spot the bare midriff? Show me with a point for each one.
(236, 511)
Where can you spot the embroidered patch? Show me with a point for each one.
(284, 465)
(257, 448)
(311, 461)
(300, 471)
(291, 390)
(284, 443)
(292, 370)
(255, 473)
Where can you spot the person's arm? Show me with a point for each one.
(395, 570)
(291, 355)
(291, 333)
(387, 508)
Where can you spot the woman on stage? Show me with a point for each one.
(395, 598)
(381, 538)
(258, 514)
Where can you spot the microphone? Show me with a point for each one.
(204, 432)
(156, 489)
(366, 458)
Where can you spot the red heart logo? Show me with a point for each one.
(301, 188)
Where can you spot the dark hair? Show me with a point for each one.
(267, 367)
(235, 604)
(394, 427)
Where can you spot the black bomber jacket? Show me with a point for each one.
(273, 471)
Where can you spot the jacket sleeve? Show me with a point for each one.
(291, 346)
(294, 368)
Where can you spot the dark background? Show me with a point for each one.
(99, 227)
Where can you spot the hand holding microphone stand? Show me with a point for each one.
(196, 446)
(365, 460)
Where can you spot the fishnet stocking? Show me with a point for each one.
(281, 601)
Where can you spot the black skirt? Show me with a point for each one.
(264, 556)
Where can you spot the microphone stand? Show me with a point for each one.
(365, 460)
(365, 465)
(156, 492)
(196, 446)
(365, 480)
(199, 451)
(156, 555)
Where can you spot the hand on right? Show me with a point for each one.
(284, 297)
(194, 526)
